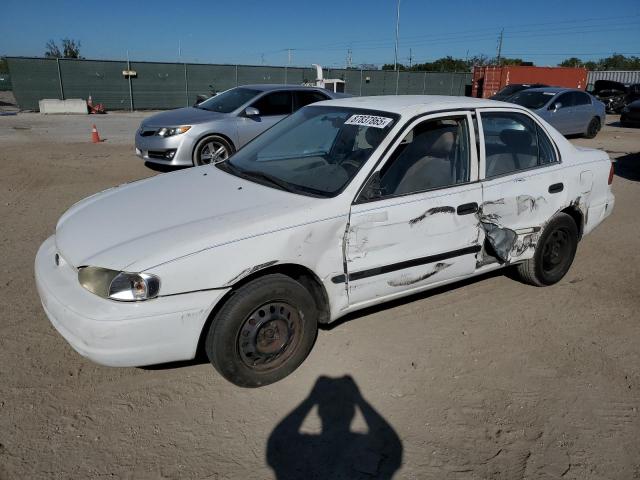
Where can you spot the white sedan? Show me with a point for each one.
(345, 204)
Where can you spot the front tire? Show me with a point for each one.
(212, 149)
(554, 253)
(593, 128)
(263, 332)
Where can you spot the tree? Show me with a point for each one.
(70, 49)
(572, 62)
(511, 61)
(4, 66)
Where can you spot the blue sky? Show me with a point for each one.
(253, 32)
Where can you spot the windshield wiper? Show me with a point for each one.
(281, 184)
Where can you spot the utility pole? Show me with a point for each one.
(349, 59)
(289, 50)
(410, 59)
(262, 58)
(499, 47)
(395, 62)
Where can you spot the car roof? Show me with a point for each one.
(411, 104)
(266, 87)
(554, 89)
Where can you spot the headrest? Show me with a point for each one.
(516, 139)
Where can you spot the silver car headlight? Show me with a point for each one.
(122, 286)
(170, 132)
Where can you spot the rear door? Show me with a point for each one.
(414, 224)
(273, 107)
(521, 182)
(583, 112)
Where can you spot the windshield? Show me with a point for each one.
(229, 101)
(532, 100)
(316, 151)
(510, 90)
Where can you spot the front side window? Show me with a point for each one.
(316, 151)
(565, 100)
(434, 154)
(276, 103)
(230, 100)
(580, 98)
(513, 142)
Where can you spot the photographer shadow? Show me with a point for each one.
(336, 452)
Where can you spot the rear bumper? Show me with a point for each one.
(120, 334)
(153, 149)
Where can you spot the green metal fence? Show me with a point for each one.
(172, 85)
(5, 82)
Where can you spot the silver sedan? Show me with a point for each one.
(214, 129)
(570, 111)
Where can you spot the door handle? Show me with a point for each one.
(556, 188)
(467, 208)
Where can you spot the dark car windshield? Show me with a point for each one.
(316, 151)
(510, 90)
(532, 100)
(230, 100)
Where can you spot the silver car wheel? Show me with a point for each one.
(213, 152)
(212, 149)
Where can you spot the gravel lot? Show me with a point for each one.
(487, 379)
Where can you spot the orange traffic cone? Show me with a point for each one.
(95, 138)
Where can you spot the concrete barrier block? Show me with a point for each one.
(54, 106)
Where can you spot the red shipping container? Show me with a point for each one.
(487, 81)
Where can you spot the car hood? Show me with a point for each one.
(182, 116)
(142, 224)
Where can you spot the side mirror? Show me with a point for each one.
(555, 107)
(373, 189)
(251, 112)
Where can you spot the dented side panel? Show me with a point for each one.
(391, 231)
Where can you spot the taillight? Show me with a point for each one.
(611, 175)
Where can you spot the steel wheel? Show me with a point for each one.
(212, 152)
(268, 336)
(556, 251)
(593, 128)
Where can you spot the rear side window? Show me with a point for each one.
(580, 98)
(276, 103)
(514, 142)
(303, 98)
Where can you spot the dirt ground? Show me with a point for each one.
(486, 379)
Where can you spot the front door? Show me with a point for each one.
(272, 108)
(414, 224)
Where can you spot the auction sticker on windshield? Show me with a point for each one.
(369, 121)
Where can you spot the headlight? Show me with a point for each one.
(170, 132)
(123, 286)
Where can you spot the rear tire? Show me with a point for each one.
(263, 332)
(554, 253)
(593, 128)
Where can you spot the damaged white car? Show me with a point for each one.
(345, 204)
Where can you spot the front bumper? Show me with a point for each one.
(153, 149)
(120, 334)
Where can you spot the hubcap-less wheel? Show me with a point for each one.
(556, 251)
(212, 152)
(593, 128)
(269, 336)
